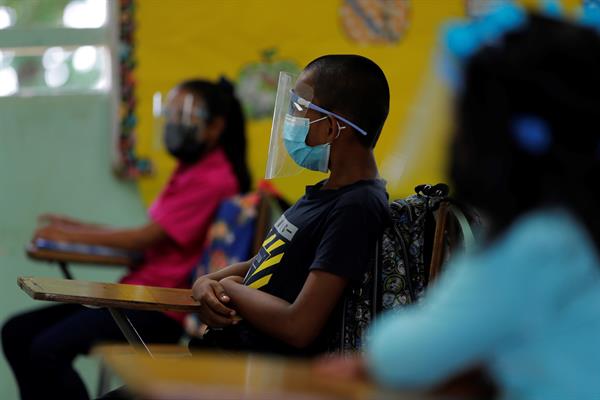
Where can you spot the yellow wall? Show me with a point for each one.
(178, 39)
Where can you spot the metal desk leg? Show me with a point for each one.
(65, 270)
(125, 325)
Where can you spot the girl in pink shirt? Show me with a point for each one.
(205, 132)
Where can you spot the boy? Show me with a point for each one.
(288, 296)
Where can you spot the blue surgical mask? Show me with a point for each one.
(295, 131)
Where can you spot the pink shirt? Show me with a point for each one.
(184, 210)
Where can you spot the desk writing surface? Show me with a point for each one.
(233, 376)
(113, 295)
(38, 254)
(157, 349)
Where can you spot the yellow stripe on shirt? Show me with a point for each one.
(268, 240)
(268, 263)
(275, 246)
(260, 282)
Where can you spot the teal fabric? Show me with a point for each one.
(527, 308)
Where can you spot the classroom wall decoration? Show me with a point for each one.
(257, 83)
(476, 8)
(128, 165)
(375, 21)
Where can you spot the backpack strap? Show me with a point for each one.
(465, 228)
(439, 244)
(437, 254)
(377, 284)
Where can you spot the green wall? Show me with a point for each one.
(55, 157)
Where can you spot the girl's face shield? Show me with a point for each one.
(177, 108)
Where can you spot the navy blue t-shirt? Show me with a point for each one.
(329, 230)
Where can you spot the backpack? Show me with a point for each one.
(404, 260)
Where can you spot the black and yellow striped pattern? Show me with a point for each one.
(269, 257)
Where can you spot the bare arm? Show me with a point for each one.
(297, 324)
(212, 297)
(238, 269)
(138, 238)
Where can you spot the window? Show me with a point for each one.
(56, 47)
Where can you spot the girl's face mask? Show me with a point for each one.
(184, 142)
(184, 130)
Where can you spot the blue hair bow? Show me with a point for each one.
(462, 39)
(532, 134)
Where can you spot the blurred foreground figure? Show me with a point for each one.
(526, 153)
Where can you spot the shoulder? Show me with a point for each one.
(214, 172)
(549, 247)
(554, 230)
(370, 195)
(366, 201)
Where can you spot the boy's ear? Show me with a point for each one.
(335, 129)
(332, 132)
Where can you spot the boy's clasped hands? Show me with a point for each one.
(215, 305)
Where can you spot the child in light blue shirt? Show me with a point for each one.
(528, 307)
(526, 153)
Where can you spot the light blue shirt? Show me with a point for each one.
(527, 308)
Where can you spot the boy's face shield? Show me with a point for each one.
(291, 100)
(291, 125)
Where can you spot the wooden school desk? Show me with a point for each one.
(219, 376)
(136, 366)
(63, 258)
(114, 296)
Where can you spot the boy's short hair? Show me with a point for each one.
(356, 88)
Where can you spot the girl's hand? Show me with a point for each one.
(56, 219)
(51, 232)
